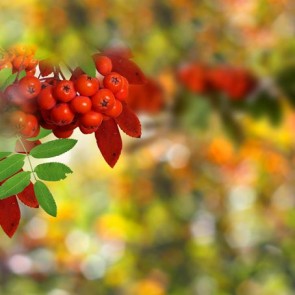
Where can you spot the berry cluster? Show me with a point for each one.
(19, 58)
(82, 101)
(62, 105)
(236, 83)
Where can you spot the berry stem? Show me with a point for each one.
(28, 157)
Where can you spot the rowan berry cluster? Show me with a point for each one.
(19, 58)
(235, 83)
(62, 105)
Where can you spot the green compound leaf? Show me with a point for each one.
(11, 165)
(22, 74)
(88, 66)
(8, 81)
(4, 75)
(53, 148)
(4, 154)
(45, 198)
(43, 133)
(15, 184)
(52, 171)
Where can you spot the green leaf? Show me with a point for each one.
(43, 133)
(53, 148)
(15, 184)
(88, 66)
(9, 81)
(4, 154)
(45, 198)
(11, 165)
(22, 74)
(52, 171)
(4, 74)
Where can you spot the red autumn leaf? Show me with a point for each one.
(28, 197)
(148, 97)
(27, 144)
(109, 141)
(129, 122)
(127, 68)
(9, 215)
(119, 51)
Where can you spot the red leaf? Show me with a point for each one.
(127, 68)
(109, 141)
(119, 51)
(28, 197)
(129, 122)
(27, 144)
(148, 98)
(9, 215)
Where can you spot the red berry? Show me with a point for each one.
(64, 90)
(85, 130)
(5, 65)
(29, 87)
(86, 85)
(122, 94)
(45, 99)
(18, 120)
(31, 64)
(31, 72)
(32, 126)
(62, 133)
(12, 95)
(116, 110)
(20, 62)
(91, 120)
(103, 64)
(29, 106)
(103, 100)
(113, 81)
(62, 114)
(81, 104)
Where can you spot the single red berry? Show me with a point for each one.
(122, 94)
(91, 120)
(86, 85)
(20, 62)
(45, 99)
(116, 110)
(113, 81)
(29, 106)
(81, 104)
(29, 87)
(31, 73)
(62, 133)
(32, 63)
(12, 95)
(103, 100)
(62, 114)
(85, 130)
(103, 64)
(32, 126)
(64, 90)
(18, 120)
(5, 65)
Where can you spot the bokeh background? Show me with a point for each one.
(202, 204)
